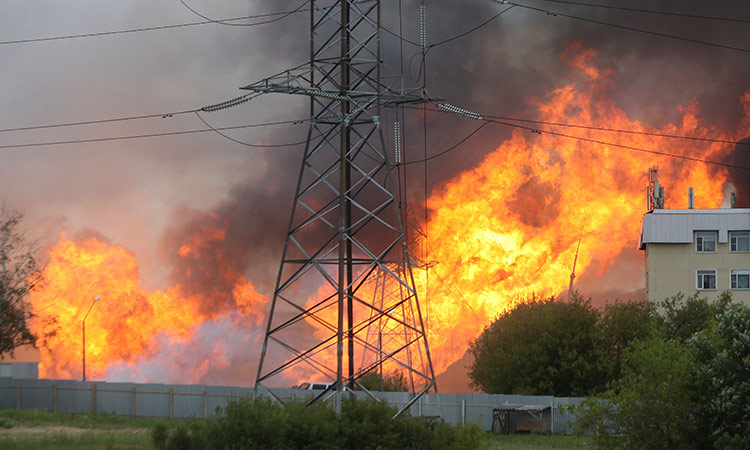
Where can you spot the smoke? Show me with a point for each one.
(740, 178)
(153, 195)
(536, 202)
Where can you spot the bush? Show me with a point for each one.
(182, 437)
(390, 382)
(247, 423)
(685, 387)
(6, 422)
(542, 347)
(365, 424)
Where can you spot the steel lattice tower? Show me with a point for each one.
(345, 225)
(387, 332)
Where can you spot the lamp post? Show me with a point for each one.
(83, 328)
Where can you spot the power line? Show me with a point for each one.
(625, 27)
(626, 147)
(444, 41)
(612, 130)
(98, 121)
(473, 29)
(447, 150)
(217, 131)
(504, 118)
(161, 27)
(229, 23)
(210, 108)
(650, 11)
(615, 130)
(172, 133)
(580, 138)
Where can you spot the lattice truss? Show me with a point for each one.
(345, 237)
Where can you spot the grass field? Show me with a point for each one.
(537, 442)
(26, 429)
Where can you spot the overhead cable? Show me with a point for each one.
(650, 11)
(588, 127)
(488, 120)
(623, 146)
(445, 41)
(171, 133)
(237, 141)
(447, 150)
(155, 28)
(624, 27)
(96, 121)
(232, 24)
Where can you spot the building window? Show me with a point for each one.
(705, 242)
(739, 279)
(739, 241)
(706, 280)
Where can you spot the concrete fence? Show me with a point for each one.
(499, 413)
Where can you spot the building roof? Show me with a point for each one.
(676, 226)
(22, 354)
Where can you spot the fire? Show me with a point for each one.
(510, 226)
(501, 231)
(128, 323)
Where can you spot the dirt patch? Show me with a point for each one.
(59, 429)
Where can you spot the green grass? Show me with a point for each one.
(90, 431)
(537, 442)
(104, 431)
(87, 441)
(34, 418)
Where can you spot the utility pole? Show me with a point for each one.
(83, 336)
(345, 225)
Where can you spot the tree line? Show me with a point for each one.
(669, 374)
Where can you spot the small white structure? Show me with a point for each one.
(24, 363)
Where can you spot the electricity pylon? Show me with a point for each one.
(345, 224)
(387, 332)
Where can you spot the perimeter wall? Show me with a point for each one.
(536, 413)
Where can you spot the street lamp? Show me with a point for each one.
(83, 328)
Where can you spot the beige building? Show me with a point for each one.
(697, 250)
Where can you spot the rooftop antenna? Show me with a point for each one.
(654, 192)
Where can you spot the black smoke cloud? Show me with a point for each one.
(500, 67)
(141, 192)
(740, 178)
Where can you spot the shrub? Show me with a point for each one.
(365, 424)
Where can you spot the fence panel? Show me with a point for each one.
(549, 414)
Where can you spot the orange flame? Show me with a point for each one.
(501, 231)
(509, 227)
(124, 324)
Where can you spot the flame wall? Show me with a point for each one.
(502, 230)
(510, 227)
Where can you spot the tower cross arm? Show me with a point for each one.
(299, 80)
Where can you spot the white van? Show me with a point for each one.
(313, 386)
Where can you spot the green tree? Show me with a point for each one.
(653, 404)
(683, 317)
(623, 324)
(724, 371)
(680, 391)
(18, 275)
(389, 382)
(541, 347)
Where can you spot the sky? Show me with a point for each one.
(146, 193)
